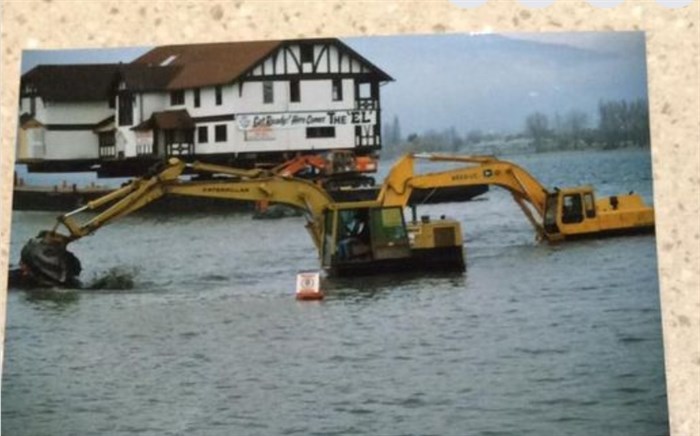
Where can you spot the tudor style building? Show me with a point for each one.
(235, 103)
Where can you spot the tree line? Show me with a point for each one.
(620, 123)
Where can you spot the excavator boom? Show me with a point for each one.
(481, 170)
(559, 214)
(46, 256)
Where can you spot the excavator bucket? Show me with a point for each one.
(46, 262)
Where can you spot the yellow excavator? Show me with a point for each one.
(352, 238)
(567, 213)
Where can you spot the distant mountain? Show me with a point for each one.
(492, 82)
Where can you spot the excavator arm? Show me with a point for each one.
(527, 192)
(47, 258)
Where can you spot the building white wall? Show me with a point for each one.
(31, 143)
(76, 113)
(147, 103)
(316, 95)
(81, 144)
(40, 108)
(64, 144)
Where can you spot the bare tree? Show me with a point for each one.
(537, 128)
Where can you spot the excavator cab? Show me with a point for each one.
(570, 211)
(363, 236)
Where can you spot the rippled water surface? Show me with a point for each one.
(532, 340)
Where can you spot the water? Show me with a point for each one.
(533, 339)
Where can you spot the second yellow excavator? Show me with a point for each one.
(568, 213)
(352, 238)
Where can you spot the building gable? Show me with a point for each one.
(201, 65)
(312, 59)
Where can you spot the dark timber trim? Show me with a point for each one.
(328, 58)
(70, 127)
(310, 76)
(284, 58)
(318, 59)
(294, 58)
(214, 118)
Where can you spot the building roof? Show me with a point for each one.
(67, 83)
(167, 120)
(209, 64)
(106, 125)
(224, 62)
(140, 77)
(164, 68)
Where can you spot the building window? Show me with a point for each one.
(268, 92)
(197, 100)
(106, 139)
(364, 90)
(307, 53)
(177, 97)
(219, 96)
(203, 134)
(126, 109)
(320, 132)
(220, 133)
(294, 91)
(107, 144)
(337, 90)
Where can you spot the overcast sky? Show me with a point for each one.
(489, 82)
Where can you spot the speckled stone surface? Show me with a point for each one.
(673, 41)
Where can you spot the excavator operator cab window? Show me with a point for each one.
(571, 211)
(589, 204)
(353, 235)
(388, 227)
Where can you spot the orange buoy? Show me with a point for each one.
(308, 296)
(309, 286)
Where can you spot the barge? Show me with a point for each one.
(63, 198)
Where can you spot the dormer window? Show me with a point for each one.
(177, 97)
(168, 60)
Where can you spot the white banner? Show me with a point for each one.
(248, 122)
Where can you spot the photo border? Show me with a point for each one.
(672, 47)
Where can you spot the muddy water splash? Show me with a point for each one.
(116, 278)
